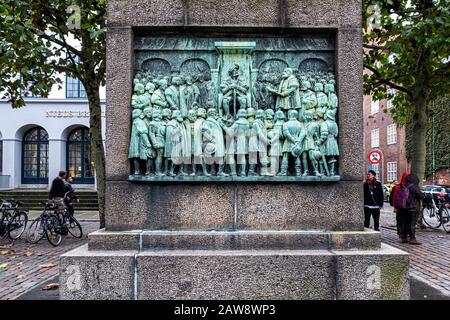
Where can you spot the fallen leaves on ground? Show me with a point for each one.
(51, 286)
(7, 252)
(28, 254)
(4, 266)
(47, 265)
(21, 277)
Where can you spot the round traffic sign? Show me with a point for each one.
(374, 157)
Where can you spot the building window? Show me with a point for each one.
(389, 101)
(376, 168)
(375, 138)
(375, 106)
(35, 156)
(391, 134)
(79, 161)
(391, 171)
(74, 88)
(27, 91)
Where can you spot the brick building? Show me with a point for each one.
(380, 133)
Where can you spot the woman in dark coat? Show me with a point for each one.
(411, 214)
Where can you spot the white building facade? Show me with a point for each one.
(46, 136)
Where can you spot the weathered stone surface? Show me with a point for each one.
(119, 80)
(314, 206)
(350, 93)
(136, 206)
(235, 275)
(127, 206)
(351, 240)
(103, 275)
(107, 240)
(234, 240)
(379, 274)
(264, 13)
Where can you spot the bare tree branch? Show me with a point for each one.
(386, 81)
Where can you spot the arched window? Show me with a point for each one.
(79, 161)
(35, 156)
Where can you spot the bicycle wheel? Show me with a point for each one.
(51, 228)
(3, 226)
(75, 228)
(17, 225)
(445, 217)
(36, 231)
(431, 218)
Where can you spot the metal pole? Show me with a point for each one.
(433, 166)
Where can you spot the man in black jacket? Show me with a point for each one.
(411, 214)
(373, 200)
(57, 191)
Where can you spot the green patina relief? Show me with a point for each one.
(244, 109)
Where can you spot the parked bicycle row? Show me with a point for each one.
(56, 220)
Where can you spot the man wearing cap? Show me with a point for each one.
(373, 200)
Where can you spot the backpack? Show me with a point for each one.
(401, 197)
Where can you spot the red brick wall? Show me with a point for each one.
(393, 152)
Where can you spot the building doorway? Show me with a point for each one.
(79, 161)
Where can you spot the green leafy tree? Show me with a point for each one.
(35, 47)
(407, 49)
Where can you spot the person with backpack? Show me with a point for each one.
(373, 200)
(396, 188)
(413, 208)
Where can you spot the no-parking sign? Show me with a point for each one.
(374, 157)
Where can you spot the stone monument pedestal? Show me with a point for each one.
(236, 265)
(246, 237)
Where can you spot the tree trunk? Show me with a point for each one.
(418, 140)
(418, 134)
(97, 149)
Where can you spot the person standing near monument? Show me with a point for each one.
(57, 192)
(373, 200)
(288, 94)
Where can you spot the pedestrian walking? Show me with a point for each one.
(396, 188)
(373, 200)
(71, 196)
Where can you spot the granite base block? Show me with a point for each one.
(235, 274)
(97, 275)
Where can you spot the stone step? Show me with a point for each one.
(234, 240)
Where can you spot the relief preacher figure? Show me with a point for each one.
(288, 94)
(234, 91)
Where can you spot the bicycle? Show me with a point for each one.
(54, 225)
(436, 214)
(14, 219)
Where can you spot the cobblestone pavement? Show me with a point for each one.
(429, 262)
(24, 265)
